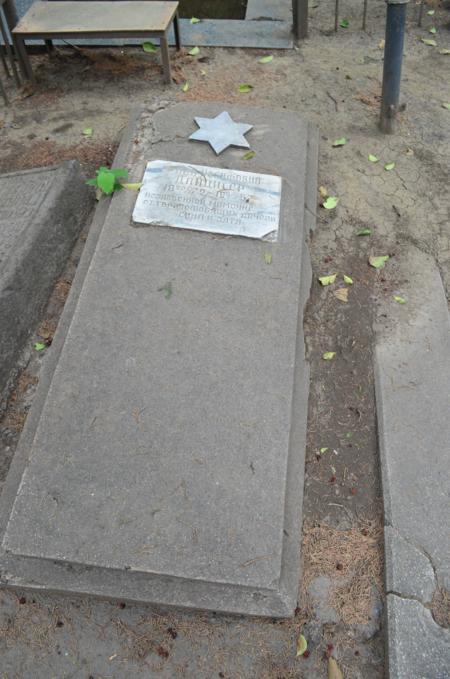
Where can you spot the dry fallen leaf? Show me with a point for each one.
(323, 192)
(341, 294)
(302, 645)
(333, 670)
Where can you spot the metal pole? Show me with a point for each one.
(364, 21)
(300, 18)
(393, 56)
(419, 21)
(336, 15)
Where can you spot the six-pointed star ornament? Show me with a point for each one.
(221, 132)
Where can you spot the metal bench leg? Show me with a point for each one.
(419, 21)
(165, 59)
(364, 21)
(5, 65)
(9, 52)
(24, 61)
(176, 29)
(50, 46)
(3, 93)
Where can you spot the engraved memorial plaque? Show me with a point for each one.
(209, 199)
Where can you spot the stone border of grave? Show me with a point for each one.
(37, 250)
(267, 25)
(412, 373)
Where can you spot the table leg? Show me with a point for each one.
(176, 29)
(24, 61)
(165, 59)
(5, 65)
(9, 52)
(3, 93)
(50, 47)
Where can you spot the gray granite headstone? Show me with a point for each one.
(166, 461)
(41, 212)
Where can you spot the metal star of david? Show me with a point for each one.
(221, 132)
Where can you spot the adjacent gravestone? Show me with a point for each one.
(165, 462)
(41, 212)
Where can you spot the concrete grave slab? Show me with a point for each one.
(165, 461)
(41, 213)
(418, 648)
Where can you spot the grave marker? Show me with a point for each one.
(165, 464)
(209, 199)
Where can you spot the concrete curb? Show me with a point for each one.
(39, 234)
(412, 375)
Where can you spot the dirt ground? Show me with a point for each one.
(334, 80)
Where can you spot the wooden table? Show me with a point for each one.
(120, 19)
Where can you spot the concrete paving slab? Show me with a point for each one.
(418, 648)
(148, 481)
(41, 213)
(412, 371)
(408, 570)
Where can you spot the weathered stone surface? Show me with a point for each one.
(412, 371)
(417, 647)
(41, 212)
(166, 464)
(408, 571)
(413, 401)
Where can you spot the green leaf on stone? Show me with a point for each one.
(430, 12)
(268, 257)
(340, 142)
(149, 47)
(364, 232)
(167, 290)
(433, 30)
(245, 87)
(194, 20)
(91, 182)
(302, 645)
(88, 131)
(266, 60)
(119, 171)
(185, 87)
(429, 42)
(444, 51)
(105, 181)
(378, 261)
(345, 23)
(327, 280)
(348, 280)
(323, 450)
(249, 155)
(447, 106)
(328, 355)
(399, 300)
(330, 203)
(39, 346)
(389, 166)
(194, 51)
(372, 158)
